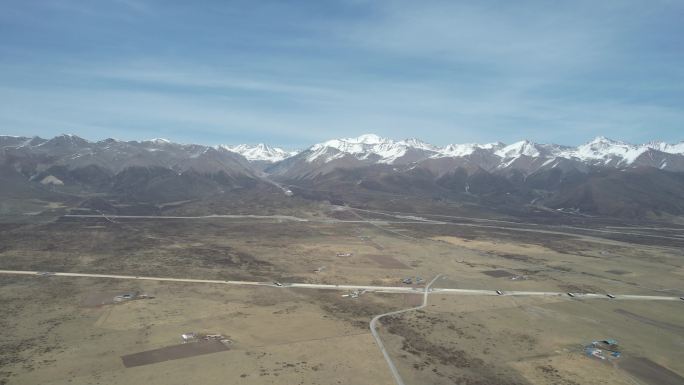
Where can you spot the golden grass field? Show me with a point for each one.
(53, 334)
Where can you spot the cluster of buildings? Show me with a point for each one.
(204, 337)
(603, 349)
(410, 280)
(131, 296)
(354, 294)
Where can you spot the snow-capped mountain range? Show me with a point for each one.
(368, 149)
(388, 151)
(365, 147)
(601, 176)
(372, 148)
(600, 151)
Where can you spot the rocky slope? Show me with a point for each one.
(601, 177)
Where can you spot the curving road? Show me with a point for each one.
(374, 321)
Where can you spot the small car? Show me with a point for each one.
(499, 292)
(571, 295)
(610, 296)
(277, 283)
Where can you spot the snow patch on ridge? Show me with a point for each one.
(260, 152)
(517, 149)
(159, 141)
(363, 147)
(604, 150)
(460, 150)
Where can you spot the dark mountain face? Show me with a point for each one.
(603, 177)
(605, 191)
(164, 185)
(150, 171)
(634, 192)
(91, 177)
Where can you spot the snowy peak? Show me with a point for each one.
(387, 151)
(367, 139)
(677, 148)
(602, 145)
(603, 141)
(368, 147)
(460, 150)
(159, 141)
(608, 151)
(354, 145)
(517, 149)
(419, 144)
(260, 152)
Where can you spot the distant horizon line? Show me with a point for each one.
(272, 145)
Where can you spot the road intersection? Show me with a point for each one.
(370, 288)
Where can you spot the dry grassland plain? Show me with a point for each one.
(55, 331)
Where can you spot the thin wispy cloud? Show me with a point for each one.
(205, 79)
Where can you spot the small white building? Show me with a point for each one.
(189, 337)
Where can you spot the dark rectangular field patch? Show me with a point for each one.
(498, 273)
(650, 372)
(618, 272)
(174, 352)
(652, 322)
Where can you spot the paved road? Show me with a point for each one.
(112, 217)
(502, 224)
(384, 289)
(406, 218)
(374, 321)
(381, 289)
(231, 216)
(555, 294)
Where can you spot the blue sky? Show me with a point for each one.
(297, 72)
